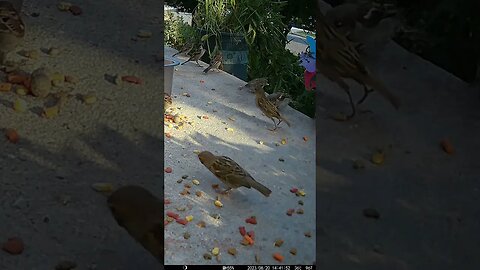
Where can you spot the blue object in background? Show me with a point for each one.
(307, 61)
(312, 44)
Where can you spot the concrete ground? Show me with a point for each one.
(45, 179)
(234, 128)
(428, 201)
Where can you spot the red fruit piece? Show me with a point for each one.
(294, 190)
(12, 135)
(172, 214)
(251, 234)
(168, 170)
(251, 220)
(132, 79)
(290, 212)
(14, 246)
(242, 230)
(182, 221)
(166, 201)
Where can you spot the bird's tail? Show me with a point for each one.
(207, 69)
(263, 189)
(382, 89)
(285, 120)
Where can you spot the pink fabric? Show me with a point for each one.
(309, 78)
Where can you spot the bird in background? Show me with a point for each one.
(279, 99)
(269, 108)
(215, 62)
(140, 213)
(12, 28)
(186, 48)
(337, 58)
(196, 56)
(230, 173)
(254, 83)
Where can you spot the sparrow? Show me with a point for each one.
(343, 18)
(230, 173)
(279, 99)
(187, 47)
(196, 56)
(215, 63)
(140, 213)
(258, 82)
(337, 58)
(268, 108)
(12, 29)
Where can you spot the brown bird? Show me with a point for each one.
(12, 29)
(337, 58)
(258, 82)
(268, 108)
(141, 214)
(343, 18)
(279, 99)
(216, 62)
(230, 173)
(196, 56)
(186, 48)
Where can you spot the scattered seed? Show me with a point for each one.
(89, 99)
(305, 138)
(102, 187)
(66, 265)
(294, 190)
(182, 221)
(308, 234)
(172, 215)
(181, 208)
(186, 235)
(232, 251)
(179, 181)
(196, 182)
(284, 141)
(170, 219)
(185, 192)
(281, 160)
(184, 176)
(187, 185)
(201, 224)
(215, 251)
(189, 218)
(251, 220)
(20, 105)
(378, 158)
(290, 212)
(198, 193)
(300, 211)
(168, 170)
(218, 203)
(300, 202)
(64, 6)
(293, 251)
(5, 87)
(300, 193)
(278, 243)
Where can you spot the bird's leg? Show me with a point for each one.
(366, 91)
(351, 104)
(226, 191)
(275, 125)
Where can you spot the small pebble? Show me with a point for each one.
(279, 243)
(371, 213)
(186, 235)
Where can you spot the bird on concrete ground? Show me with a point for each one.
(197, 55)
(216, 62)
(337, 58)
(230, 173)
(268, 108)
(254, 83)
(140, 213)
(12, 28)
(186, 48)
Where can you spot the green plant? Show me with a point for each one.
(177, 32)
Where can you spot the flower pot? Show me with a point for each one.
(169, 66)
(234, 49)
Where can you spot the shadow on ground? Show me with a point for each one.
(47, 200)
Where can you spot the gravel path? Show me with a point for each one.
(45, 193)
